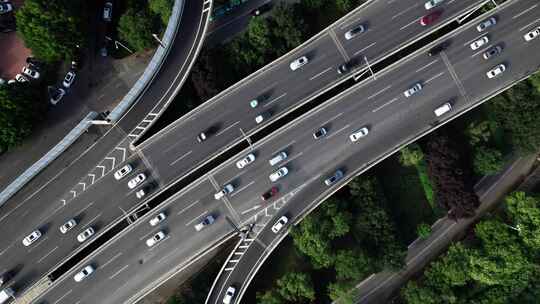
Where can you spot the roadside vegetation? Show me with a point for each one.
(495, 263)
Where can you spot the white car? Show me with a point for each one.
(338, 175)
(207, 221)
(445, 108)
(279, 224)
(68, 80)
(432, 3)
(55, 95)
(491, 21)
(245, 161)
(83, 236)
(31, 238)
(155, 239)
(226, 190)
(280, 173)
(107, 11)
(158, 219)
(532, 34)
(229, 295)
(355, 31)
(359, 134)
(67, 226)
(122, 172)
(413, 90)
(30, 73)
(478, 43)
(85, 272)
(5, 8)
(140, 194)
(496, 71)
(137, 180)
(21, 78)
(296, 64)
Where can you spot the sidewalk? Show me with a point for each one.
(380, 287)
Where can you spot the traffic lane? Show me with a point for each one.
(400, 25)
(233, 112)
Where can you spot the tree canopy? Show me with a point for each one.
(135, 27)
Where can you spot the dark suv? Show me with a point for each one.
(438, 48)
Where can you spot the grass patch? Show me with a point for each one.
(406, 195)
(423, 176)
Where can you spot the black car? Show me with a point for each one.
(269, 194)
(344, 68)
(438, 48)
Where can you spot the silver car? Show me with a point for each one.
(355, 31)
(83, 236)
(491, 21)
(296, 64)
(417, 87)
(280, 173)
(432, 3)
(67, 226)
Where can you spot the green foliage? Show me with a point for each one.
(416, 294)
(350, 264)
(411, 155)
(423, 230)
(478, 132)
(345, 5)
(269, 297)
(426, 182)
(19, 111)
(312, 4)
(162, 8)
(487, 161)
(135, 27)
(50, 28)
(340, 291)
(524, 211)
(296, 287)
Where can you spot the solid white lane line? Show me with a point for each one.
(118, 272)
(434, 77)
(384, 105)
(291, 159)
(274, 100)
(409, 24)
(45, 256)
(525, 11)
(92, 220)
(365, 48)
(180, 158)
(529, 25)
(227, 128)
(331, 119)
(5, 249)
(62, 297)
(241, 189)
(186, 208)
(378, 93)
(111, 260)
(197, 218)
(83, 209)
(339, 131)
(321, 73)
(404, 11)
(283, 147)
(426, 66)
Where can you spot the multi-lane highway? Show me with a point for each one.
(457, 75)
(175, 151)
(47, 205)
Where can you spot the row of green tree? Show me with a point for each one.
(497, 263)
(348, 237)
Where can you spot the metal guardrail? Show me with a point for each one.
(45, 160)
(154, 65)
(114, 115)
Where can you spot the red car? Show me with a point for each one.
(269, 194)
(430, 18)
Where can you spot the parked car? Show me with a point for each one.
(31, 238)
(84, 273)
(254, 103)
(158, 219)
(478, 43)
(334, 178)
(21, 78)
(281, 156)
(496, 71)
(85, 235)
(417, 87)
(67, 226)
(5, 8)
(297, 63)
(68, 80)
(491, 21)
(55, 95)
(262, 117)
(362, 132)
(245, 161)
(343, 68)
(444, 108)
(321, 132)
(281, 222)
(430, 18)
(107, 11)
(492, 52)
(269, 194)
(207, 221)
(30, 73)
(158, 237)
(229, 295)
(432, 3)
(532, 34)
(277, 175)
(350, 34)
(122, 172)
(137, 180)
(226, 190)
(140, 193)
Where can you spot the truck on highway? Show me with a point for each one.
(6, 295)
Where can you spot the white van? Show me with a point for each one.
(443, 109)
(278, 158)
